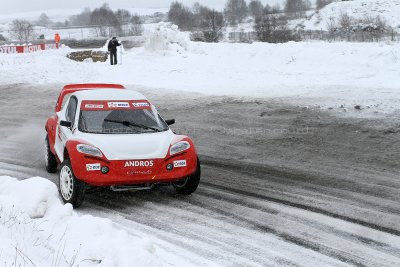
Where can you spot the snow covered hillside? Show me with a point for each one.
(359, 9)
(36, 229)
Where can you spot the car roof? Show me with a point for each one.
(109, 94)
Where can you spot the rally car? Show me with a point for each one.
(103, 135)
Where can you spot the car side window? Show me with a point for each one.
(71, 109)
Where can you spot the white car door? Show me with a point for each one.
(68, 113)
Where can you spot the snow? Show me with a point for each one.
(164, 37)
(359, 9)
(330, 75)
(37, 229)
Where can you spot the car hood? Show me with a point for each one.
(131, 146)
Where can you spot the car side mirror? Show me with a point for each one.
(170, 122)
(67, 124)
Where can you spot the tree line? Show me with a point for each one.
(103, 20)
(207, 24)
(107, 22)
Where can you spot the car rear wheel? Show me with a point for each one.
(188, 185)
(49, 158)
(72, 190)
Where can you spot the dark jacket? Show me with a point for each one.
(112, 45)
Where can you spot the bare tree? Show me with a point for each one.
(43, 20)
(180, 15)
(105, 21)
(22, 30)
(235, 11)
(200, 15)
(276, 9)
(273, 29)
(136, 25)
(345, 22)
(124, 18)
(256, 8)
(332, 27)
(81, 19)
(297, 8)
(267, 9)
(322, 3)
(215, 24)
(207, 24)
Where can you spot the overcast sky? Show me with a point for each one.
(13, 6)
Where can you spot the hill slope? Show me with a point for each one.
(359, 9)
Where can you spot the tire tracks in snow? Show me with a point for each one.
(263, 170)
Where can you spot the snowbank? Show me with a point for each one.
(389, 10)
(166, 37)
(308, 73)
(36, 229)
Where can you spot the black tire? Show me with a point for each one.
(49, 158)
(71, 189)
(188, 185)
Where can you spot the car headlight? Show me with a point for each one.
(179, 147)
(89, 150)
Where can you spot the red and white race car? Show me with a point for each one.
(103, 135)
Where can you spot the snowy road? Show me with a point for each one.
(281, 185)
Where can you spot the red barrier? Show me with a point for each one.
(14, 49)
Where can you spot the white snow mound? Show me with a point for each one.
(166, 37)
(36, 229)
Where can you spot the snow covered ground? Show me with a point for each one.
(36, 229)
(389, 10)
(337, 76)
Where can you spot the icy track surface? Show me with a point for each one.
(281, 186)
(331, 75)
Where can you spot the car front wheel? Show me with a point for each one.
(188, 185)
(71, 189)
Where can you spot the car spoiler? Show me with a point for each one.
(72, 88)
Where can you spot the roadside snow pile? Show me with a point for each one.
(166, 37)
(36, 229)
(388, 10)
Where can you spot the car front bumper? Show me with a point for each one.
(129, 172)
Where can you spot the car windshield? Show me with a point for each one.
(118, 121)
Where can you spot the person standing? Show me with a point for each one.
(112, 48)
(57, 39)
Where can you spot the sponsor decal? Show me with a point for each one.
(8, 49)
(141, 105)
(139, 172)
(179, 163)
(94, 106)
(26, 48)
(139, 163)
(93, 167)
(32, 48)
(50, 46)
(118, 105)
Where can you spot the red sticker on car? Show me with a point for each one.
(96, 105)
